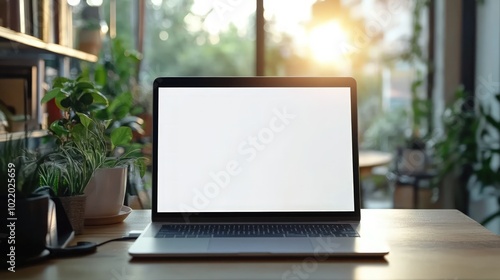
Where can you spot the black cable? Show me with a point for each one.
(83, 248)
(124, 238)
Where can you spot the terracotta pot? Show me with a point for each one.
(90, 41)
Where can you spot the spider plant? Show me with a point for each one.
(69, 169)
(18, 164)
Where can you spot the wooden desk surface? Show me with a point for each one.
(425, 244)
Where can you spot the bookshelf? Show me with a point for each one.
(21, 135)
(24, 54)
(29, 44)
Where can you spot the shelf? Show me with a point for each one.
(20, 135)
(32, 43)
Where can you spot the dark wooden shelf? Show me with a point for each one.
(29, 43)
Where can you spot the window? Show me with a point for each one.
(370, 40)
(198, 38)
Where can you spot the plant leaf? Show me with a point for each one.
(79, 131)
(65, 103)
(121, 136)
(58, 99)
(492, 121)
(51, 94)
(59, 82)
(100, 75)
(82, 85)
(99, 98)
(107, 123)
(58, 129)
(86, 99)
(142, 167)
(84, 119)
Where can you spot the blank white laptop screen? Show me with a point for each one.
(251, 149)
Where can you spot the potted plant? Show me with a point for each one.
(116, 75)
(25, 216)
(83, 145)
(467, 150)
(90, 33)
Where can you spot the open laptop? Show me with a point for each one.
(255, 166)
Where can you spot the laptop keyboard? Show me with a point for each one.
(260, 230)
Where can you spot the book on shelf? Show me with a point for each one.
(61, 23)
(4, 13)
(20, 81)
(41, 20)
(9, 14)
(49, 20)
(26, 16)
(19, 15)
(16, 99)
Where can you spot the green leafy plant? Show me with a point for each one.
(76, 99)
(18, 167)
(486, 171)
(67, 171)
(458, 145)
(84, 145)
(116, 73)
(420, 107)
(469, 144)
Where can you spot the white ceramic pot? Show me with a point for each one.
(106, 192)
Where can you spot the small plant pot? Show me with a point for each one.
(74, 206)
(90, 41)
(106, 192)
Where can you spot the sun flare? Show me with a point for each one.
(326, 41)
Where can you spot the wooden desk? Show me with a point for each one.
(425, 244)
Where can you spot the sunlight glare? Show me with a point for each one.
(73, 2)
(94, 3)
(325, 42)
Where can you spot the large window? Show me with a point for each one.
(198, 38)
(370, 40)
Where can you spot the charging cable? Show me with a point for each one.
(85, 247)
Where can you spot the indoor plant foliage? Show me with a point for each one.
(83, 144)
(14, 157)
(19, 178)
(81, 148)
(470, 145)
(115, 73)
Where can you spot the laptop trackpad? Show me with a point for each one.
(260, 245)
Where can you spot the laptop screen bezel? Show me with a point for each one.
(211, 217)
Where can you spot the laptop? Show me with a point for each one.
(255, 166)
